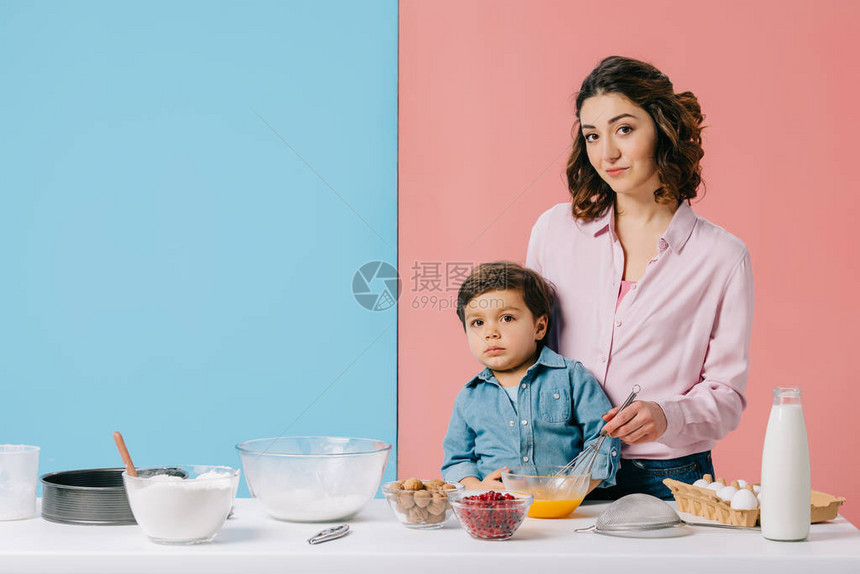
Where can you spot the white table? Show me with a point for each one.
(253, 542)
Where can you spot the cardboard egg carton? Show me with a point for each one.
(825, 506)
(704, 502)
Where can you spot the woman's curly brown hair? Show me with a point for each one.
(678, 119)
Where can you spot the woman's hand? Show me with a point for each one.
(491, 481)
(642, 421)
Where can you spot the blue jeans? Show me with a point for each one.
(641, 475)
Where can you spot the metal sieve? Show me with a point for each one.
(641, 514)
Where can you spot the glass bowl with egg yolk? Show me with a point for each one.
(554, 496)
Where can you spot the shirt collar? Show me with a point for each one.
(600, 224)
(547, 358)
(677, 234)
(681, 227)
(551, 359)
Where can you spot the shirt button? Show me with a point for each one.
(525, 459)
(633, 286)
(512, 423)
(523, 385)
(525, 422)
(663, 244)
(556, 396)
(602, 358)
(617, 323)
(614, 452)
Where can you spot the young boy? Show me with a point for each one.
(530, 406)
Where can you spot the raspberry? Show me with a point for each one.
(491, 515)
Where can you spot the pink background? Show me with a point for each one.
(485, 112)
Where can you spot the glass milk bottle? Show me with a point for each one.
(785, 498)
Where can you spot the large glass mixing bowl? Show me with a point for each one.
(313, 478)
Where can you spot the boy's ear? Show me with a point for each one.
(540, 327)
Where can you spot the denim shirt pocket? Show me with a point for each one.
(555, 404)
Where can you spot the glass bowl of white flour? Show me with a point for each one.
(313, 478)
(181, 504)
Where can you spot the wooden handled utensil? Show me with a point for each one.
(123, 452)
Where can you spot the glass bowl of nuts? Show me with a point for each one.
(421, 504)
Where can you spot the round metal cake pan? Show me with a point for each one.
(88, 496)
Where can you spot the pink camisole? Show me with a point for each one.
(625, 287)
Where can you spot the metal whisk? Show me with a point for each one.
(585, 460)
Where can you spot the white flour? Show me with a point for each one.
(174, 509)
(312, 505)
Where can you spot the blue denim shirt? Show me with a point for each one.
(559, 411)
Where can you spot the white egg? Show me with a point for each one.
(726, 493)
(742, 482)
(702, 483)
(756, 488)
(716, 486)
(744, 500)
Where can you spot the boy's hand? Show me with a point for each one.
(642, 421)
(491, 481)
(494, 479)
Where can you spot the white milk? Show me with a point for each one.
(785, 482)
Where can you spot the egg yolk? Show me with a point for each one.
(553, 508)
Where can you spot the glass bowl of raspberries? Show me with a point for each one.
(490, 514)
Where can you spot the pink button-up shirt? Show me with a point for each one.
(681, 333)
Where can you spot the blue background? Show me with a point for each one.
(187, 191)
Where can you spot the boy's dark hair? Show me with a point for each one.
(538, 293)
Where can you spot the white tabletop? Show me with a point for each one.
(253, 542)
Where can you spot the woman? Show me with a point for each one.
(649, 293)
